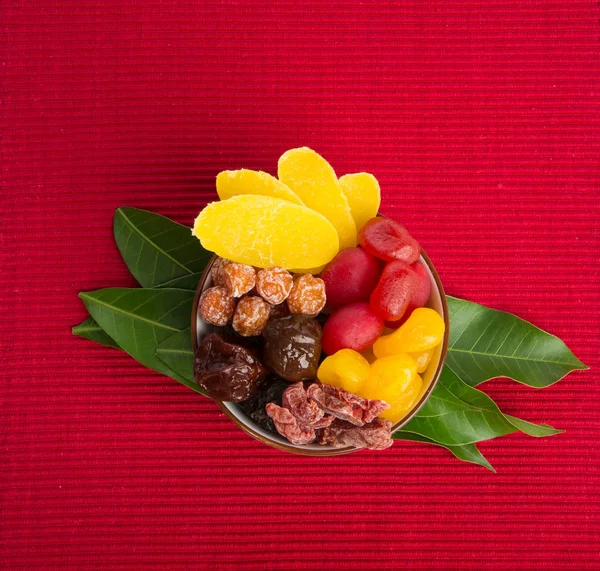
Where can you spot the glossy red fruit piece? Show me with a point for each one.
(420, 296)
(394, 291)
(353, 326)
(350, 277)
(388, 240)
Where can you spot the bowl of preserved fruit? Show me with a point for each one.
(318, 326)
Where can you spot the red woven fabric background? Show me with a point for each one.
(481, 122)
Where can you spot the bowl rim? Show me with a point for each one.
(336, 451)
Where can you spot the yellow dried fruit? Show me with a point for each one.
(263, 231)
(313, 179)
(244, 181)
(363, 194)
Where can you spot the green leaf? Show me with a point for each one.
(485, 344)
(140, 319)
(457, 414)
(156, 249)
(176, 352)
(92, 331)
(466, 453)
(189, 281)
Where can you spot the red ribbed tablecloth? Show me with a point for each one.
(481, 122)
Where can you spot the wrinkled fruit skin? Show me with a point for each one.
(306, 413)
(350, 277)
(373, 436)
(394, 291)
(227, 371)
(354, 326)
(388, 240)
(420, 296)
(292, 347)
(270, 390)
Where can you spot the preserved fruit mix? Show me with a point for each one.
(318, 339)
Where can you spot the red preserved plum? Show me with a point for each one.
(350, 277)
(394, 291)
(388, 240)
(355, 326)
(420, 295)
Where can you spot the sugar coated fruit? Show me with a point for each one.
(238, 278)
(388, 240)
(263, 231)
(274, 284)
(216, 271)
(216, 306)
(394, 291)
(311, 177)
(345, 369)
(307, 295)
(250, 316)
(363, 194)
(423, 331)
(244, 181)
(394, 380)
(420, 296)
(350, 277)
(353, 326)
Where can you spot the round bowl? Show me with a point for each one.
(430, 377)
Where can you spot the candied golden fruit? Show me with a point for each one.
(244, 181)
(363, 195)
(394, 380)
(263, 231)
(313, 179)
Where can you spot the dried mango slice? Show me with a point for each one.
(244, 181)
(363, 194)
(311, 177)
(264, 231)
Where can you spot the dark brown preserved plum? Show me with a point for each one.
(226, 370)
(293, 347)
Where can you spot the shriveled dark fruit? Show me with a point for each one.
(270, 390)
(293, 347)
(226, 370)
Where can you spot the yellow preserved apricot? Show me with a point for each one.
(263, 231)
(423, 330)
(346, 369)
(422, 360)
(363, 194)
(394, 380)
(313, 179)
(244, 181)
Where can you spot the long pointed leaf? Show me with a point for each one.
(176, 353)
(466, 453)
(485, 343)
(457, 414)
(89, 329)
(156, 249)
(140, 319)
